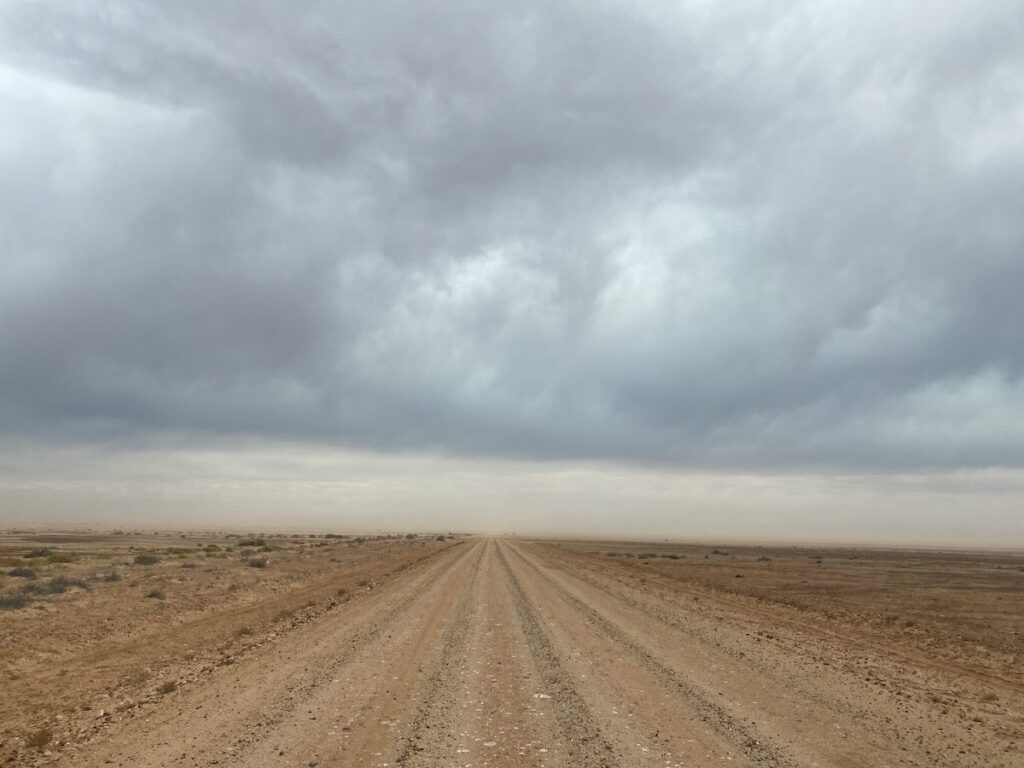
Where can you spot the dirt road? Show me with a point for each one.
(508, 653)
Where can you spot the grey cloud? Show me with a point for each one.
(761, 235)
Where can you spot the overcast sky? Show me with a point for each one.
(601, 254)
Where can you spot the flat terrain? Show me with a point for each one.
(312, 651)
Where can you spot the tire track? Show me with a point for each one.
(286, 705)
(803, 687)
(586, 745)
(773, 617)
(235, 718)
(724, 723)
(434, 736)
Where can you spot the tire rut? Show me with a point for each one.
(586, 745)
(254, 732)
(724, 723)
(434, 712)
(250, 730)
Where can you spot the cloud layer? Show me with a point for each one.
(749, 235)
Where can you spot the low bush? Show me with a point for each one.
(55, 586)
(167, 687)
(252, 543)
(112, 576)
(39, 739)
(157, 594)
(40, 552)
(146, 560)
(140, 677)
(14, 602)
(257, 562)
(22, 572)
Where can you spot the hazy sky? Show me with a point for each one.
(693, 268)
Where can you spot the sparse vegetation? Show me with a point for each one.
(146, 560)
(40, 552)
(55, 586)
(252, 543)
(38, 739)
(112, 576)
(257, 562)
(157, 594)
(167, 687)
(14, 602)
(22, 572)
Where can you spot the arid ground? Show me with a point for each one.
(166, 650)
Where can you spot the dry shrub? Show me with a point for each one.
(39, 739)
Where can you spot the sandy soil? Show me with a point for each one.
(473, 652)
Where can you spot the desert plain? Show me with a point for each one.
(161, 649)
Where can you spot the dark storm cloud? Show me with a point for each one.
(750, 235)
